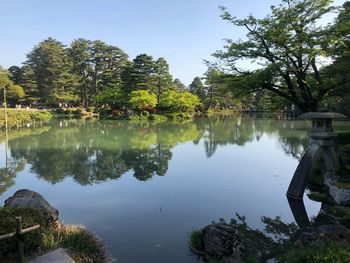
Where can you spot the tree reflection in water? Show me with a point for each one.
(95, 151)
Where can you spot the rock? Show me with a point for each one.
(221, 241)
(28, 198)
(341, 195)
(57, 256)
(326, 234)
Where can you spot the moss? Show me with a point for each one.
(321, 197)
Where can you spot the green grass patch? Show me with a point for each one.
(195, 239)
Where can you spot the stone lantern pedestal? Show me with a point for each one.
(321, 145)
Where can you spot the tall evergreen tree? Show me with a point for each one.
(51, 66)
(163, 79)
(197, 88)
(178, 85)
(79, 53)
(140, 74)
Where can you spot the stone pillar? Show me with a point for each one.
(321, 145)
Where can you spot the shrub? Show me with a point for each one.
(60, 111)
(142, 98)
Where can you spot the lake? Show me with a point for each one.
(143, 187)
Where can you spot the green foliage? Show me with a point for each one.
(174, 101)
(286, 48)
(15, 93)
(318, 254)
(139, 74)
(30, 217)
(83, 245)
(197, 88)
(23, 117)
(195, 239)
(53, 77)
(112, 97)
(142, 98)
(4, 78)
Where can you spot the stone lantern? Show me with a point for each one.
(322, 145)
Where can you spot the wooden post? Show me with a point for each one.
(19, 239)
(6, 127)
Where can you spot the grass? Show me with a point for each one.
(83, 245)
(195, 240)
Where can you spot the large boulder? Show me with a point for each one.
(221, 241)
(28, 198)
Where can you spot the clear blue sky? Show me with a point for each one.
(183, 31)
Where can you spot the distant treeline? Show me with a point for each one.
(93, 73)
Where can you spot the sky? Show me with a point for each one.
(184, 32)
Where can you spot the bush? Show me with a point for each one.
(60, 111)
(20, 118)
(30, 217)
(78, 111)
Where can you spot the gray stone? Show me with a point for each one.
(28, 198)
(325, 234)
(57, 256)
(221, 241)
(340, 195)
(322, 115)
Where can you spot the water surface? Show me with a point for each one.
(144, 186)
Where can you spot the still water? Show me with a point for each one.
(142, 187)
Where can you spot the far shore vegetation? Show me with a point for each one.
(99, 78)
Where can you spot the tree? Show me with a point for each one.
(112, 96)
(179, 86)
(175, 101)
(4, 77)
(197, 88)
(29, 84)
(15, 74)
(142, 98)
(79, 53)
(187, 102)
(338, 72)
(163, 79)
(15, 93)
(286, 44)
(51, 66)
(107, 63)
(139, 74)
